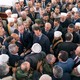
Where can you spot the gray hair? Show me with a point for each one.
(57, 71)
(4, 69)
(47, 23)
(12, 48)
(50, 58)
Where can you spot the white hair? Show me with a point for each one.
(12, 48)
(45, 77)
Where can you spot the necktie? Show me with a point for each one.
(21, 37)
(76, 59)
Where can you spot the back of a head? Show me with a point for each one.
(45, 77)
(57, 71)
(63, 55)
(50, 58)
(69, 37)
(4, 69)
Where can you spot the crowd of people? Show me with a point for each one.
(40, 40)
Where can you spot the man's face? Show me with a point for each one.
(76, 16)
(37, 5)
(48, 9)
(77, 51)
(70, 30)
(56, 23)
(2, 31)
(46, 18)
(57, 10)
(11, 24)
(21, 29)
(18, 6)
(37, 32)
(76, 28)
(47, 27)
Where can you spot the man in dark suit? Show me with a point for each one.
(41, 39)
(33, 15)
(14, 57)
(46, 18)
(64, 62)
(71, 29)
(17, 9)
(59, 75)
(25, 37)
(48, 31)
(76, 18)
(68, 45)
(57, 26)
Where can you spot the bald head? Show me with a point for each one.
(25, 66)
(15, 36)
(77, 51)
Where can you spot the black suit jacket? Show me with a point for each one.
(49, 34)
(33, 58)
(59, 28)
(66, 46)
(14, 59)
(27, 39)
(44, 42)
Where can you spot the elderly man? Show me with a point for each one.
(14, 57)
(23, 72)
(10, 27)
(77, 29)
(56, 41)
(45, 66)
(8, 12)
(64, 21)
(23, 17)
(48, 31)
(15, 16)
(4, 72)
